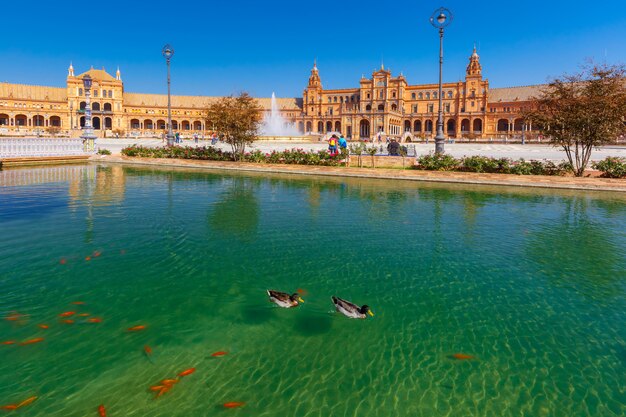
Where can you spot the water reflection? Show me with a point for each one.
(237, 212)
(576, 250)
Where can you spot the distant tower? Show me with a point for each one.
(474, 68)
(118, 74)
(314, 79)
(70, 71)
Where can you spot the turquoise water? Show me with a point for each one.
(531, 283)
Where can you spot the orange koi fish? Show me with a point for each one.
(187, 372)
(462, 356)
(301, 291)
(68, 321)
(136, 328)
(164, 390)
(148, 350)
(94, 320)
(9, 407)
(43, 326)
(63, 261)
(218, 354)
(234, 404)
(8, 342)
(78, 303)
(84, 315)
(26, 402)
(96, 253)
(169, 382)
(88, 258)
(32, 341)
(156, 388)
(102, 412)
(67, 314)
(14, 316)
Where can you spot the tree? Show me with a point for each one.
(54, 130)
(582, 111)
(236, 120)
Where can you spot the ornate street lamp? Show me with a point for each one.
(168, 52)
(441, 18)
(89, 139)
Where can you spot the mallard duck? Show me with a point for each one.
(350, 310)
(282, 299)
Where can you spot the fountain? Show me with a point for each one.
(274, 125)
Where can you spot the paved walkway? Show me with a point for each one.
(513, 151)
(600, 184)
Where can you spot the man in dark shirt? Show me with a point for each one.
(393, 148)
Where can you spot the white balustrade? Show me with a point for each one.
(34, 147)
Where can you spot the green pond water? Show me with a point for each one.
(531, 283)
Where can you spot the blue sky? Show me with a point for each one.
(224, 47)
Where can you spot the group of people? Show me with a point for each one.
(336, 143)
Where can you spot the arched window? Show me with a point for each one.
(413, 96)
(368, 107)
(393, 94)
(381, 107)
(449, 94)
(107, 106)
(435, 95)
(335, 99)
(110, 93)
(427, 95)
(420, 95)
(104, 93)
(80, 91)
(95, 93)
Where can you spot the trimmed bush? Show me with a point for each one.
(104, 152)
(438, 162)
(611, 167)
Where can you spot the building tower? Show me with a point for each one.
(118, 74)
(70, 70)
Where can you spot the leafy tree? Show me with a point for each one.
(582, 111)
(236, 120)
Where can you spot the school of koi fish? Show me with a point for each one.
(160, 388)
(70, 317)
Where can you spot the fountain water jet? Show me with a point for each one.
(275, 125)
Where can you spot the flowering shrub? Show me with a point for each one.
(476, 163)
(611, 167)
(289, 156)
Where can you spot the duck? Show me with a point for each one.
(282, 299)
(351, 310)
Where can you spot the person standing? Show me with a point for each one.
(332, 145)
(343, 144)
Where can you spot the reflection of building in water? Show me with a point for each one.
(30, 176)
(99, 185)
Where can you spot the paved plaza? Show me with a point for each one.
(513, 151)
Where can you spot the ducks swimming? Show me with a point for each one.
(351, 310)
(282, 299)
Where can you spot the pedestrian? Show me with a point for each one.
(332, 145)
(343, 144)
(177, 137)
(393, 148)
(195, 137)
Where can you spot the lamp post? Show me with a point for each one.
(168, 52)
(89, 139)
(441, 18)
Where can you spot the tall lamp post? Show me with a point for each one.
(168, 52)
(441, 18)
(89, 139)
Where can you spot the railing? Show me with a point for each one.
(31, 147)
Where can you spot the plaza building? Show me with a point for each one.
(381, 106)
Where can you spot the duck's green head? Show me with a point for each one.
(366, 310)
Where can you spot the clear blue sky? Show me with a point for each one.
(225, 47)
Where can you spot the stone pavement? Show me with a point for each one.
(498, 150)
(586, 183)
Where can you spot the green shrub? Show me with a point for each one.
(438, 162)
(485, 164)
(104, 152)
(611, 167)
